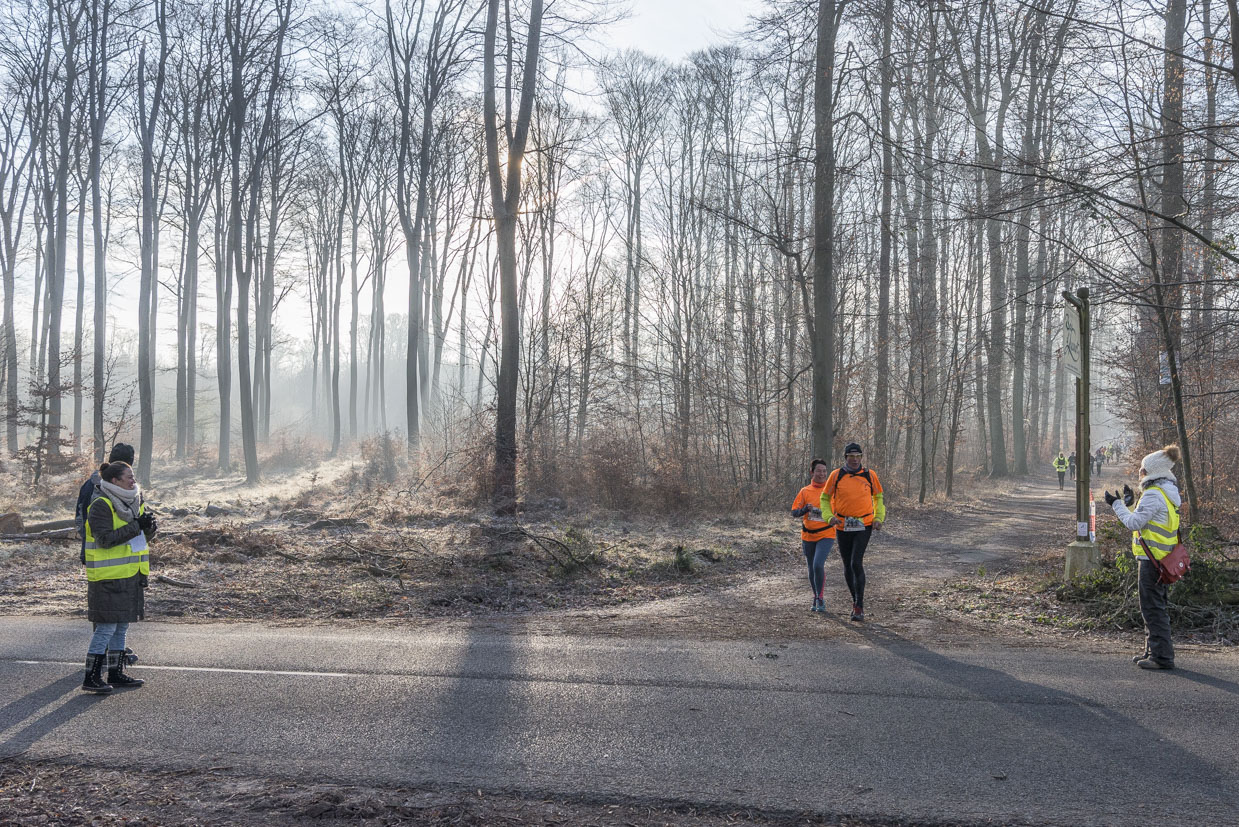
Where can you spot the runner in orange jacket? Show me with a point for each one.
(852, 502)
(816, 535)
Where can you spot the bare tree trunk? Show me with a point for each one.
(224, 282)
(1023, 270)
(1167, 275)
(69, 19)
(881, 401)
(97, 74)
(829, 14)
(148, 123)
(243, 223)
(79, 319)
(505, 188)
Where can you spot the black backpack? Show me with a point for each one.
(864, 472)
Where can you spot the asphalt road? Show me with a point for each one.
(890, 728)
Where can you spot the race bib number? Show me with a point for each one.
(853, 524)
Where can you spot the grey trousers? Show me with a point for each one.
(1156, 618)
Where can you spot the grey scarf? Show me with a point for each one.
(123, 500)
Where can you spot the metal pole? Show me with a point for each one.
(1084, 443)
(1082, 554)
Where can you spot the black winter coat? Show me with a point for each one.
(113, 601)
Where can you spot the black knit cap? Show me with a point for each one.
(852, 448)
(121, 453)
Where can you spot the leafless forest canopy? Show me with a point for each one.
(469, 231)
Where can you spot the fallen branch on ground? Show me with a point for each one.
(58, 534)
(180, 584)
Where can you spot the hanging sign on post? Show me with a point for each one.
(1072, 344)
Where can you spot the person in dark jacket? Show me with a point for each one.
(86, 494)
(118, 526)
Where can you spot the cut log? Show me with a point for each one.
(180, 584)
(58, 534)
(53, 525)
(336, 522)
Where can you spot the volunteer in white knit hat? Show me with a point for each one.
(1154, 525)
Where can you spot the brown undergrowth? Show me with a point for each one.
(47, 792)
(376, 552)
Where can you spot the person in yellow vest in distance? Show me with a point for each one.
(1060, 465)
(118, 526)
(852, 502)
(1154, 524)
(816, 536)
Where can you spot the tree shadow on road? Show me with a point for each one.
(27, 707)
(471, 718)
(1028, 700)
(1207, 680)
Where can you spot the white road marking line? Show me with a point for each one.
(144, 667)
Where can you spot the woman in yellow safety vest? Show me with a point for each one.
(117, 565)
(1060, 465)
(1154, 523)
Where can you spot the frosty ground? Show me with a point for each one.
(980, 567)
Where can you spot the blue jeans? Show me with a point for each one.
(108, 637)
(815, 554)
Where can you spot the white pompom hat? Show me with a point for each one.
(1159, 465)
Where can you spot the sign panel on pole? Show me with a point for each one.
(1072, 344)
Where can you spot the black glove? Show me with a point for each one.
(151, 527)
(145, 520)
(143, 581)
(1111, 499)
(1129, 496)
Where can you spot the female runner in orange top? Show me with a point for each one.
(816, 535)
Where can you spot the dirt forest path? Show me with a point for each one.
(908, 566)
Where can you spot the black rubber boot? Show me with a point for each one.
(116, 672)
(94, 679)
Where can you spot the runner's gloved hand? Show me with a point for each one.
(1129, 496)
(1111, 499)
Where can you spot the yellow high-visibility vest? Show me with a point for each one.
(1060, 463)
(116, 562)
(1160, 537)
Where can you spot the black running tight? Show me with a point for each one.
(852, 545)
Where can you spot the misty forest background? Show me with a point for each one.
(466, 238)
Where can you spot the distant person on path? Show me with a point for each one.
(1061, 463)
(118, 526)
(1098, 459)
(86, 494)
(1154, 523)
(816, 536)
(852, 502)
(1071, 464)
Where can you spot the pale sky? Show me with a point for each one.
(673, 28)
(669, 28)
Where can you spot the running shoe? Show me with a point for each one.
(1151, 663)
(858, 614)
(819, 605)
